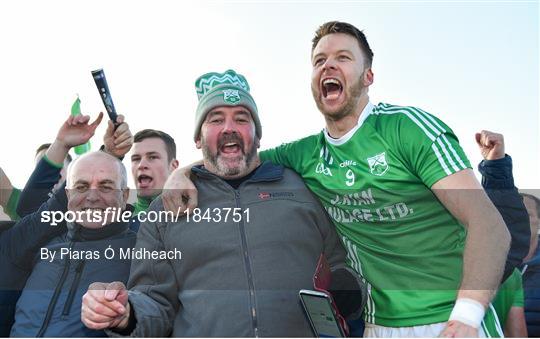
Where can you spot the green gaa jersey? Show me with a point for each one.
(510, 294)
(375, 184)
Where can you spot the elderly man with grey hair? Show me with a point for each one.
(50, 304)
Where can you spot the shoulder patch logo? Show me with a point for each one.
(377, 164)
(231, 96)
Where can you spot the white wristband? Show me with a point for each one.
(468, 311)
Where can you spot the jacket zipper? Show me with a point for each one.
(253, 310)
(55, 296)
(73, 290)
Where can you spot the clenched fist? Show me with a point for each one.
(491, 145)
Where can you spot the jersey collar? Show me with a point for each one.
(363, 116)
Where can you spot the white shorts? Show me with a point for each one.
(422, 331)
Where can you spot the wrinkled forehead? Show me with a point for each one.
(95, 170)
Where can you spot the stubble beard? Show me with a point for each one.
(353, 97)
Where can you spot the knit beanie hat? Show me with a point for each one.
(223, 89)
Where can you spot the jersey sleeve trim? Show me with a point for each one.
(446, 154)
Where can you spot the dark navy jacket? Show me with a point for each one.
(11, 283)
(50, 304)
(38, 187)
(498, 182)
(16, 261)
(18, 246)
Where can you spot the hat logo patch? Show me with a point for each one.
(231, 96)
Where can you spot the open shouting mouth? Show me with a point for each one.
(331, 88)
(231, 145)
(144, 181)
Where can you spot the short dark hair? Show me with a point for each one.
(170, 145)
(46, 147)
(333, 27)
(43, 147)
(533, 198)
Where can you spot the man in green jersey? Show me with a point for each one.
(415, 221)
(508, 304)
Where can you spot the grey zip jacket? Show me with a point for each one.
(240, 271)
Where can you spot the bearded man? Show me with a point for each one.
(247, 250)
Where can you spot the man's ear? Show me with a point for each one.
(257, 142)
(368, 77)
(198, 143)
(125, 194)
(173, 165)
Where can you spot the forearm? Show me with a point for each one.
(485, 253)
(515, 326)
(57, 152)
